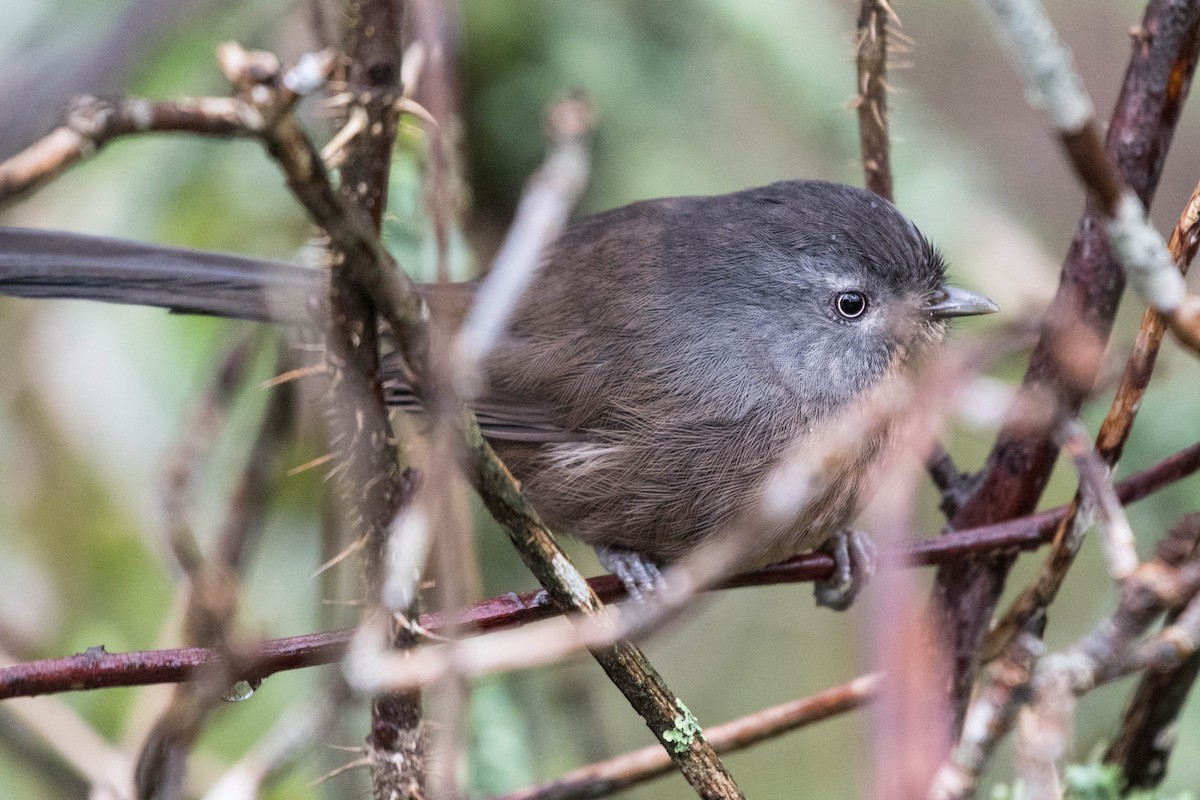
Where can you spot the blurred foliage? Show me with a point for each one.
(695, 96)
(1092, 781)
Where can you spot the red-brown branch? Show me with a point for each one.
(1143, 123)
(605, 778)
(97, 669)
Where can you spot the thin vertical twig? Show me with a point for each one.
(871, 105)
(442, 500)
(373, 486)
(871, 102)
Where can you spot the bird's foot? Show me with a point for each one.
(641, 576)
(854, 562)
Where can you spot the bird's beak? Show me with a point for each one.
(950, 301)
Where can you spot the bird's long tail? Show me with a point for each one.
(39, 263)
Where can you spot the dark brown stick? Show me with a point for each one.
(1155, 85)
(368, 473)
(1110, 444)
(871, 102)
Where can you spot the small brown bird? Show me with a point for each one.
(667, 357)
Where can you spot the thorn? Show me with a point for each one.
(891, 12)
(340, 557)
(334, 151)
(355, 764)
(406, 105)
(306, 466)
(418, 629)
(902, 36)
(293, 374)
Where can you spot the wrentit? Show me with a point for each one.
(672, 352)
(668, 355)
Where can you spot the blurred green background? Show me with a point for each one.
(694, 96)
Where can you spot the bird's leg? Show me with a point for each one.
(854, 562)
(640, 575)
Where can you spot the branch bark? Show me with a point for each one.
(1143, 123)
(372, 485)
(98, 669)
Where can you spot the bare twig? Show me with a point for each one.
(1054, 85)
(990, 716)
(92, 123)
(440, 517)
(631, 769)
(1143, 122)
(1099, 499)
(371, 483)
(541, 216)
(106, 771)
(1110, 443)
(98, 669)
(1144, 743)
(1110, 651)
(212, 595)
(871, 103)
(281, 746)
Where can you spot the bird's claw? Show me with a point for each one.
(854, 563)
(641, 576)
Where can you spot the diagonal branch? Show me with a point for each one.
(1110, 443)
(625, 771)
(1143, 123)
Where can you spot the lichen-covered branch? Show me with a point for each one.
(606, 778)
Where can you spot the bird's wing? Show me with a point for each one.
(501, 418)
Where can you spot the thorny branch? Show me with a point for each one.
(371, 484)
(871, 102)
(396, 299)
(93, 122)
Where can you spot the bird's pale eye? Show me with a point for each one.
(850, 305)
